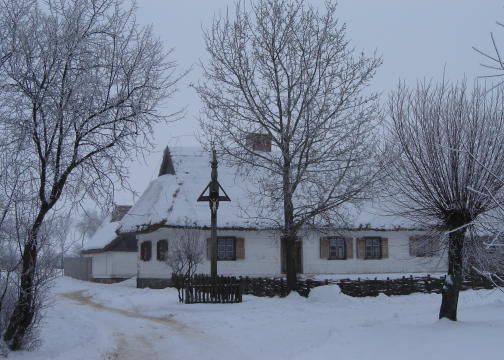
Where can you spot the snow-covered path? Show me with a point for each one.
(93, 321)
(78, 327)
(139, 336)
(130, 346)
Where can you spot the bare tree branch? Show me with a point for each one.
(444, 136)
(80, 85)
(286, 71)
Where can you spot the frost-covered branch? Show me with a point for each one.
(80, 86)
(285, 73)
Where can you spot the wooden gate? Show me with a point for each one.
(208, 290)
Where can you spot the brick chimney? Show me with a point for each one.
(119, 212)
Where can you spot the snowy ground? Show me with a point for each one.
(93, 321)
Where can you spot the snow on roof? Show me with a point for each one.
(103, 236)
(171, 200)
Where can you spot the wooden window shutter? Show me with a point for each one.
(240, 248)
(149, 250)
(413, 243)
(145, 251)
(324, 248)
(384, 248)
(361, 248)
(349, 247)
(208, 249)
(162, 250)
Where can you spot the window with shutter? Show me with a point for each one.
(240, 248)
(162, 250)
(337, 248)
(226, 249)
(422, 246)
(145, 251)
(373, 248)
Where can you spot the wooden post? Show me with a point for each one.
(213, 199)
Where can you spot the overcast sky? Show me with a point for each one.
(416, 39)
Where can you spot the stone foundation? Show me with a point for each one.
(107, 280)
(153, 283)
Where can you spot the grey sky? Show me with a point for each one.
(416, 39)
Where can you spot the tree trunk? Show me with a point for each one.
(24, 312)
(453, 282)
(289, 228)
(290, 262)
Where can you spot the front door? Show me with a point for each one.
(298, 255)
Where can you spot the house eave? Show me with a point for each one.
(92, 251)
(149, 228)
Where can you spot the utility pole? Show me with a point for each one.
(213, 199)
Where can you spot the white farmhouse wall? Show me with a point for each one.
(114, 264)
(398, 261)
(262, 255)
(101, 265)
(124, 264)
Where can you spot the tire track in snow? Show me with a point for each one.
(86, 300)
(141, 346)
(129, 346)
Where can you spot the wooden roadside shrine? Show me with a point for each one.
(213, 199)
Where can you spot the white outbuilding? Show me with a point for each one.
(113, 256)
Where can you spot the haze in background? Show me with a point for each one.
(417, 40)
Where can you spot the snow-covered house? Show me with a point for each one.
(372, 243)
(113, 256)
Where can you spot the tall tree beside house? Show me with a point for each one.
(282, 76)
(447, 166)
(81, 82)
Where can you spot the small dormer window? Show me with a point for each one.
(259, 142)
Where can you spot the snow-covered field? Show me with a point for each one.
(92, 321)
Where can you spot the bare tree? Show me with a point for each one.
(285, 72)
(443, 135)
(88, 224)
(13, 233)
(494, 62)
(60, 237)
(492, 265)
(485, 251)
(185, 253)
(80, 87)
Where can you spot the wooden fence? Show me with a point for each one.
(206, 289)
(269, 287)
(203, 289)
(407, 285)
(361, 287)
